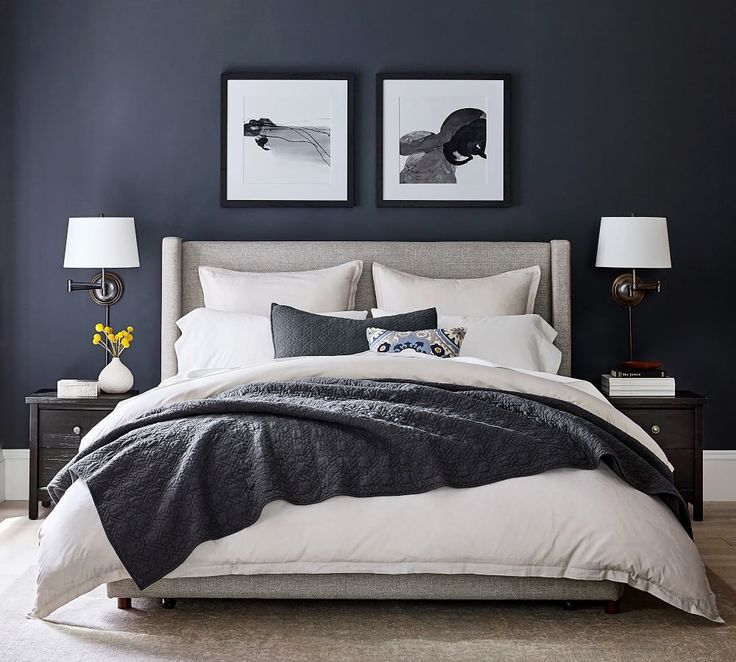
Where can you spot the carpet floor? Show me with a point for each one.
(92, 628)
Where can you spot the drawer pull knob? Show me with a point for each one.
(78, 430)
(656, 429)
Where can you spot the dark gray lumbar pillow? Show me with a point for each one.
(299, 333)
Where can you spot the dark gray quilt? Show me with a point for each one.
(201, 470)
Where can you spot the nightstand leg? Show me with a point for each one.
(33, 508)
(698, 466)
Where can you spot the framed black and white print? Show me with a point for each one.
(287, 140)
(443, 140)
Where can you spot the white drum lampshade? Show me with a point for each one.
(101, 242)
(633, 242)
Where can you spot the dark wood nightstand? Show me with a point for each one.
(57, 425)
(676, 424)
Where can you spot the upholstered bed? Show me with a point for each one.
(564, 534)
(181, 293)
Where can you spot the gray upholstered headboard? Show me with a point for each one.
(182, 293)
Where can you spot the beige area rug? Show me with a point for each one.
(92, 628)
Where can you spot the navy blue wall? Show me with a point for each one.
(618, 107)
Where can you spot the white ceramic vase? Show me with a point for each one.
(115, 377)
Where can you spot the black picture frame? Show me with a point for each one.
(244, 75)
(505, 202)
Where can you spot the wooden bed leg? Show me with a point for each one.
(124, 603)
(613, 607)
(168, 603)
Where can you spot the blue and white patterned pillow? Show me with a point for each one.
(443, 343)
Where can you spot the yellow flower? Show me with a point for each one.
(97, 337)
(111, 337)
(107, 330)
(99, 327)
(130, 329)
(120, 335)
(96, 340)
(125, 344)
(130, 337)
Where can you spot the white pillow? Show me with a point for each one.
(508, 293)
(316, 291)
(216, 339)
(514, 341)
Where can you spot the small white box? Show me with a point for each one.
(77, 388)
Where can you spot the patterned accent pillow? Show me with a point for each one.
(443, 343)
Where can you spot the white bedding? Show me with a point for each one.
(565, 523)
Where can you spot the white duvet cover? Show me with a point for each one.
(565, 523)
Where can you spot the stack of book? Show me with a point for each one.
(623, 382)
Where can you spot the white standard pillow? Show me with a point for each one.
(214, 339)
(318, 291)
(514, 341)
(508, 293)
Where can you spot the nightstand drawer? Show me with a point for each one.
(51, 461)
(670, 428)
(64, 428)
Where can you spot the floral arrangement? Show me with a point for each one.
(113, 343)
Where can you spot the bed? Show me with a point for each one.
(566, 581)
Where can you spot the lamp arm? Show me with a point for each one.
(101, 284)
(74, 286)
(656, 286)
(639, 286)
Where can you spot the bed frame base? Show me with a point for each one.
(373, 587)
(612, 606)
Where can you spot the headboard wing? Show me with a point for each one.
(181, 291)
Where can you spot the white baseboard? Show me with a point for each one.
(15, 476)
(719, 474)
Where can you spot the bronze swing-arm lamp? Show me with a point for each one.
(101, 242)
(633, 242)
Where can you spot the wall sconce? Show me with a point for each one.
(101, 242)
(633, 242)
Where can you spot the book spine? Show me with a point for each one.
(638, 373)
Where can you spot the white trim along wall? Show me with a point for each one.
(15, 476)
(719, 474)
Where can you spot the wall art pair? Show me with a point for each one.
(442, 140)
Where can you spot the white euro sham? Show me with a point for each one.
(508, 293)
(316, 291)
